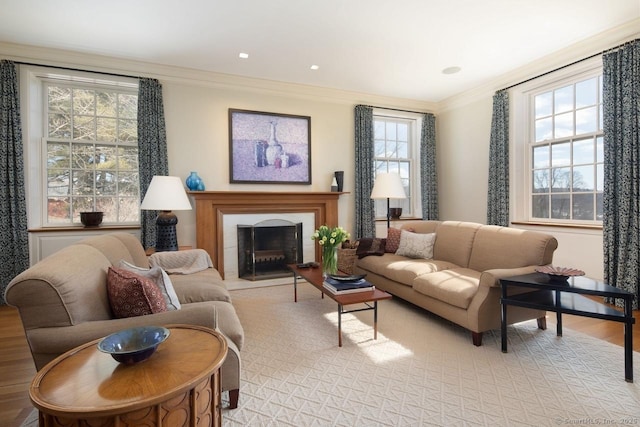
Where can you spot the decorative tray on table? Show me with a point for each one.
(559, 274)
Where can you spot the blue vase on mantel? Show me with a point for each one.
(194, 182)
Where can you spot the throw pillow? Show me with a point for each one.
(369, 246)
(393, 240)
(161, 279)
(415, 245)
(133, 295)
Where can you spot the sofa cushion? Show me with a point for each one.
(402, 269)
(205, 285)
(414, 245)
(133, 295)
(160, 278)
(455, 286)
(502, 247)
(455, 241)
(369, 246)
(393, 240)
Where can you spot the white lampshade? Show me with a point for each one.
(388, 186)
(166, 193)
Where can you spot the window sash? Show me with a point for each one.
(556, 166)
(400, 148)
(105, 158)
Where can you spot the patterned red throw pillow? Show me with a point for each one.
(393, 240)
(132, 295)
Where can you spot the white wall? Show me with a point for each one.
(463, 155)
(198, 140)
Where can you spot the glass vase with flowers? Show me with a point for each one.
(330, 239)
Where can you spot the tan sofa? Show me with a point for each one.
(63, 302)
(461, 281)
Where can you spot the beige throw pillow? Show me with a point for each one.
(415, 245)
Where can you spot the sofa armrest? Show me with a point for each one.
(58, 340)
(491, 278)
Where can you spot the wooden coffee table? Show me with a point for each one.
(179, 385)
(368, 298)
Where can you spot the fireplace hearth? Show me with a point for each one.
(265, 249)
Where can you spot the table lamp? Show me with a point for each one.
(388, 186)
(166, 194)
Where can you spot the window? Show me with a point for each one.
(90, 147)
(565, 151)
(395, 148)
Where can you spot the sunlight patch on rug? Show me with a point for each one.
(380, 350)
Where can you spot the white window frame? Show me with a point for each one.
(34, 114)
(415, 200)
(523, 131)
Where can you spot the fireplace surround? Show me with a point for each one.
(265, 248)
(212, 206)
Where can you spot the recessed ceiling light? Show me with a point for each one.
(243, 55)
(451, 70)
(315, 67)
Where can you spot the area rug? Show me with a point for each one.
(421, 371)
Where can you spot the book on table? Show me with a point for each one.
(346, 287)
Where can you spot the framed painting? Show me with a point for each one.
(268, 148)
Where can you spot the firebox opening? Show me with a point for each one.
(265, 249)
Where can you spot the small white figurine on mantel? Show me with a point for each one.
(334, 185)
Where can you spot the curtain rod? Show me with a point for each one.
(569, 65)
(398, 109)
(77, 69)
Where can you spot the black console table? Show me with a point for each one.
(568, 297)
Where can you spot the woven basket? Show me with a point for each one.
(346, 259)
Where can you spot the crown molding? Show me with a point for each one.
(187, 76)
(583, 49)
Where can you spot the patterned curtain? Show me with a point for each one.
(152, 148)
(498, 195)
(14, 256)
(365, 214)
(428, 173)
(621, 223)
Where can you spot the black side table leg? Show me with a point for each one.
(558, 315)
(628, 341)
(503, 319)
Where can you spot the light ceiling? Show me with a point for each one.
(391, 48)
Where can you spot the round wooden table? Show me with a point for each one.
(179, 385)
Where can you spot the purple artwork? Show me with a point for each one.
(269, 148)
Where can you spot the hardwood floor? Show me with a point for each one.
(17, 369)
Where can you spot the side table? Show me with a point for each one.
(568, 297)
(179, 385)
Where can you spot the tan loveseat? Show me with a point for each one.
(461, 281)
(63, 302)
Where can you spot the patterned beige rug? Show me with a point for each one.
(420, 371)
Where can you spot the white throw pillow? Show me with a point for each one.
(416, 245)
(160, 278)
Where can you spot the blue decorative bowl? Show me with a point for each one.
(133, 345)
